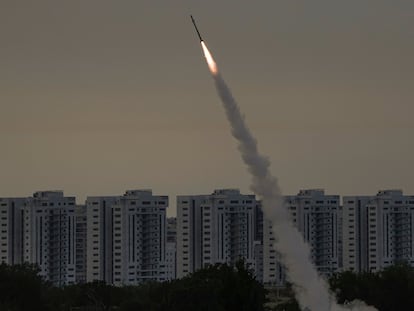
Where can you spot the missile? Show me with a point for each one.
(195, 26)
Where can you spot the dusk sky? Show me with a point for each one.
(98, 96)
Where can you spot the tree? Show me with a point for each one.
(21, 288)
(389, 290)
(218, 287)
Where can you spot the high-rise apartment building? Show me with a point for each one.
(378, 231)
(41, 230)
(126, 238)
(318, 217)
(216, 228)
(50, 236)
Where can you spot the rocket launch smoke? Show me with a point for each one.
(310, 289)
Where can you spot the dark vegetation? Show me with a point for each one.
(389, 290)
(215, 288)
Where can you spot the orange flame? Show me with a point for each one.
(210, 61)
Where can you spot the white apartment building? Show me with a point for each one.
(126, 238)
(41, 230)
(49, 236)
(378, 231)
(318, 217)
(216, 228)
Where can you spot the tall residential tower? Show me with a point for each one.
(126, 238)
(216, 228)
(378, 231)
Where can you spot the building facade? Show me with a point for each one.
(216, 228)
(99, 232)
(11, 233)
(42, 230)
(268, 269)
(171, 249)
(81, 243)
(318, 217)
(50, 236)
(273, 271)
(378, 230)
(126, 238)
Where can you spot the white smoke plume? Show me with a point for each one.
(310, 289)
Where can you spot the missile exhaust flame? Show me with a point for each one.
(310, 289)
(210, 61)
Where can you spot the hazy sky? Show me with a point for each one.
(97, 97)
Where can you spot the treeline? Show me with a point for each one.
(216, 288)
(389, 290)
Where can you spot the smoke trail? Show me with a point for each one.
(310, 289)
